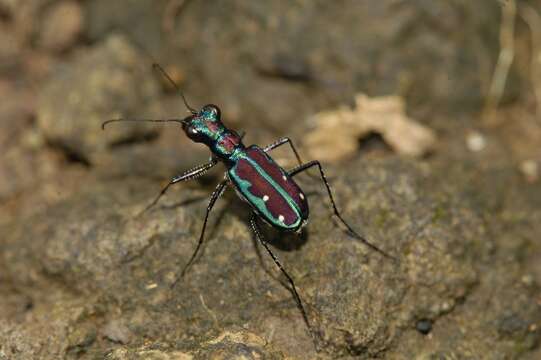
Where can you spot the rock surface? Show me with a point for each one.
(83, 277)
(72, 108)
(112, 273)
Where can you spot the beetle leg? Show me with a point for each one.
(242, 134)
(281, 142)
(215, 195)
(189, 175)
(292, 288)
(350, 230)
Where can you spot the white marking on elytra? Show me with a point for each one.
(284, 177)
(281, 218)
(301, 196)
(265, 198)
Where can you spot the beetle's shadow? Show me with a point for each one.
(280, 240)
(185, 202)
(285, 241)
(238, 208)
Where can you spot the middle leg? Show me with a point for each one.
(215, 195)
(283, 141)
(189, 175)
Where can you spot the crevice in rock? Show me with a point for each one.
(71, 154)
(134, 139)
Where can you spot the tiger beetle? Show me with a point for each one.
(269, 189)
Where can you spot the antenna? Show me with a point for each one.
(157, 67)
(141, 120)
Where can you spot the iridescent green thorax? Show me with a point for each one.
(227, 145)
(206, 127)
(210, 129)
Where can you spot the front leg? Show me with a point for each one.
(189, 175)
(215, 196)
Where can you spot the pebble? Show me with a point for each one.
(61, 26)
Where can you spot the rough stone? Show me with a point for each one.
(81, 277)
(360, 303)
(92, 89)
(61, 26)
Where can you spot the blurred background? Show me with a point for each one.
(449, 87)
(467, 70)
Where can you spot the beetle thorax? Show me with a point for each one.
(206, 127)
(227, 144)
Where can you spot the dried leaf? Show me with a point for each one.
(336, 134)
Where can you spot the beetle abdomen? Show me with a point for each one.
(269, 189)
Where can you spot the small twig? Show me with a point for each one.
(531, 17)
(271, 335)
(506, 56)
(172, 9)
(208, 310)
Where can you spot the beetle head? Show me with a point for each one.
(202, 126)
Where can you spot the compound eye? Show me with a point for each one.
(194, 133)
(211, 111)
